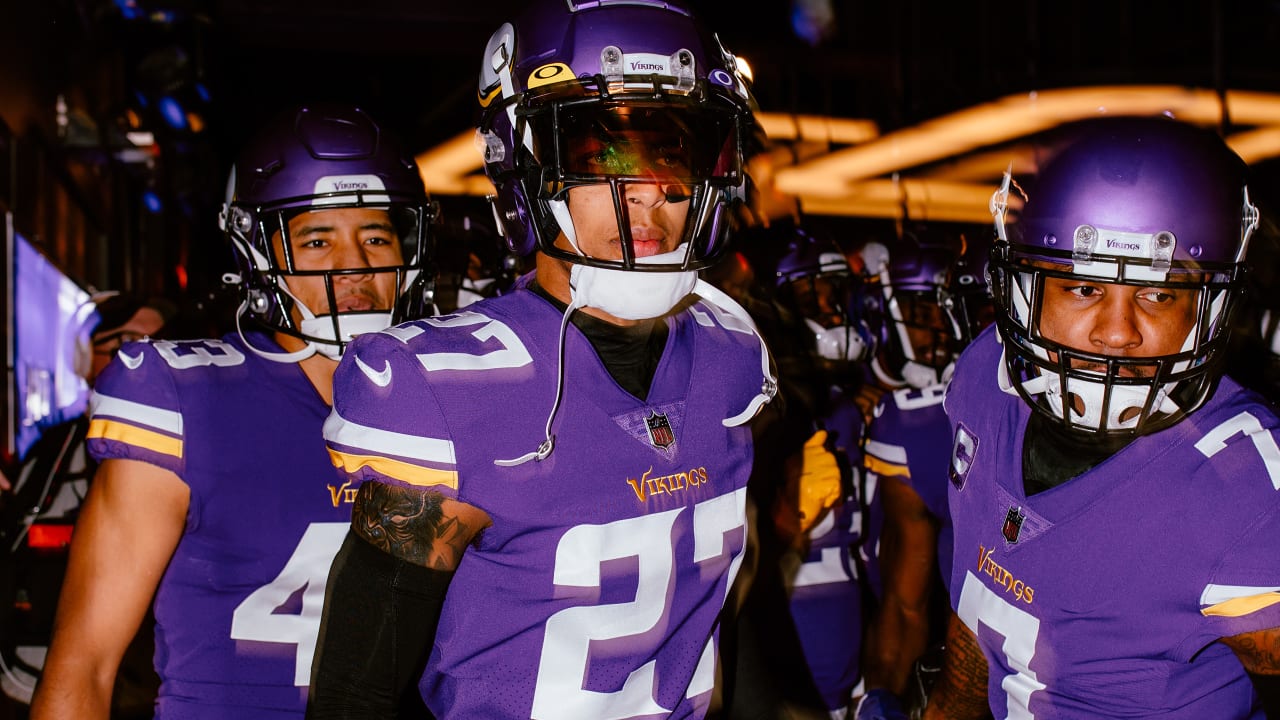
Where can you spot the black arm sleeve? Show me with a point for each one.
(379, 623)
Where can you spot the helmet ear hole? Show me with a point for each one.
(258, 302)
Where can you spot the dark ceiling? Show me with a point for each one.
(414, 62)
(896, 62)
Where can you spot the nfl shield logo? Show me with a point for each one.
(659, 430)
(1013, 524)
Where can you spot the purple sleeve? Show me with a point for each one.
(385, 424)
(135, 412)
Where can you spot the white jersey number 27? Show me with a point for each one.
(566, 649)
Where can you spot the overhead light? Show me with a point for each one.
(447, 169)
(957, 158)
(839, 131)
(450, 168)
(908, 198)
(140, 138)
(1017, 116)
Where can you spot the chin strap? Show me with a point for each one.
(769, 387)
(712, 295)
(549, 443)
(285, 357)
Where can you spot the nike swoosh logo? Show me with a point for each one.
(381, 379)
(133, 363)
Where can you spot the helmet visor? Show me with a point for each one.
(662, 144)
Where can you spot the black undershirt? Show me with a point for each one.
(1052, 455)
(629, 352)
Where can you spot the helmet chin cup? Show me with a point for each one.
(919, 375)
(1086, 398)
(629, 295)
(840, 343)
(330, 333)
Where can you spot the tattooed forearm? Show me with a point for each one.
(1258, 651)
(411, 524)
(961, 691)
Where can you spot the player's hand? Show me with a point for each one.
(878, 704)
(819, 484)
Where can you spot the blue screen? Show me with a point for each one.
(53, 318)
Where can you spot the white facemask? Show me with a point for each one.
(632, 295)
(837, 343)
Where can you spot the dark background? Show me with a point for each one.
(83, 191)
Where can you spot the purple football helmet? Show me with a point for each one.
(1147, 202)
(814, 278)
(652, 92)
(321, 157)
(928, 299)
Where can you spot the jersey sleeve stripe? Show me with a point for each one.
(123, 432)
(889, 453)
(339, 431)
(404, 472)
(885, 469)
(1240, 607)
(136, 413)
(1237, 600)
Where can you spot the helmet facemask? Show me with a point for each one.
(268, 262)
(1098, 393)
(578, 136)
(927, 305)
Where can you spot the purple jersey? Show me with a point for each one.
(238, 608)
(909, 441)
(826, 592)
(596, 590)
(1103, 596)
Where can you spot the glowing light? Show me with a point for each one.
(173, 113)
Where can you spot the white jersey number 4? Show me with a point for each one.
(256, 618)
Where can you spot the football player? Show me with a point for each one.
(215, 493)
(1115, 499)
(937, 300)
(824, 582)
(552, 505)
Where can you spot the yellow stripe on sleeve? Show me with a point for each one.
(395, 469)
(1241, 606)
(136, 436)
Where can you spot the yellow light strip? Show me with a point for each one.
(842, 182)
(1012, 117)
(446, 168)
(923, 200)
(1256, 145)
(985, 166)
(843, 131)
